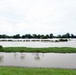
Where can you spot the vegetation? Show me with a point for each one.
(38, 36)
(63, 39)
(43, 50)
(35, 71)
(1, 48)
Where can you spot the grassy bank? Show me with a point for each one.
(43, 50)
(35, 71)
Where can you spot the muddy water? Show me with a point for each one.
(48, 60)
(71, 43)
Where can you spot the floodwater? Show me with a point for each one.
(71, 43)
(44, 60)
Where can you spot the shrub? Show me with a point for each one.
(1, 48)
(62, 39)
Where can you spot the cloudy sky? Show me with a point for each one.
(37, 16)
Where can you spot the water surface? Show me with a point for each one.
(39, 44)
(48, 60)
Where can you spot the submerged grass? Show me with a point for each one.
(43, 50)
(35, 71)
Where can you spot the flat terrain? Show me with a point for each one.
(42, 50)
(35, 71)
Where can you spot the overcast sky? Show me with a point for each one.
(37, 16)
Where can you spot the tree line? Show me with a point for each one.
(38, 36)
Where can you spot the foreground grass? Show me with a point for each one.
(35, 71)
(43, 50)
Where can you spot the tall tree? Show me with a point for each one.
(51, 36)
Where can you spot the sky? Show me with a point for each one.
(37, 16)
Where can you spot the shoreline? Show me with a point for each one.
(39, 50)
(35, 71)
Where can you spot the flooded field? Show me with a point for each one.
(71, 43)
(44, 60)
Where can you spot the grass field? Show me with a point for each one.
(35, 71)
(43, 50)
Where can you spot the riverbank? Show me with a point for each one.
(42, 50)
(35, 71)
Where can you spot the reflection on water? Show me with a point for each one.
(22, 56)
(49, 60)
(1, 58)
(15, 55)
(37, 56)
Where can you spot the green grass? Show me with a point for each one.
(35, 71)
(43, 50)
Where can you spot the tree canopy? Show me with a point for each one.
(38, 36)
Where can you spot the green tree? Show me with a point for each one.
(51, 36)
(58, 36)
(73, 36)
(34, 36)
(67, 35)
(16, 36)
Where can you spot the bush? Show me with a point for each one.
(1, 48)
(62, 39)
